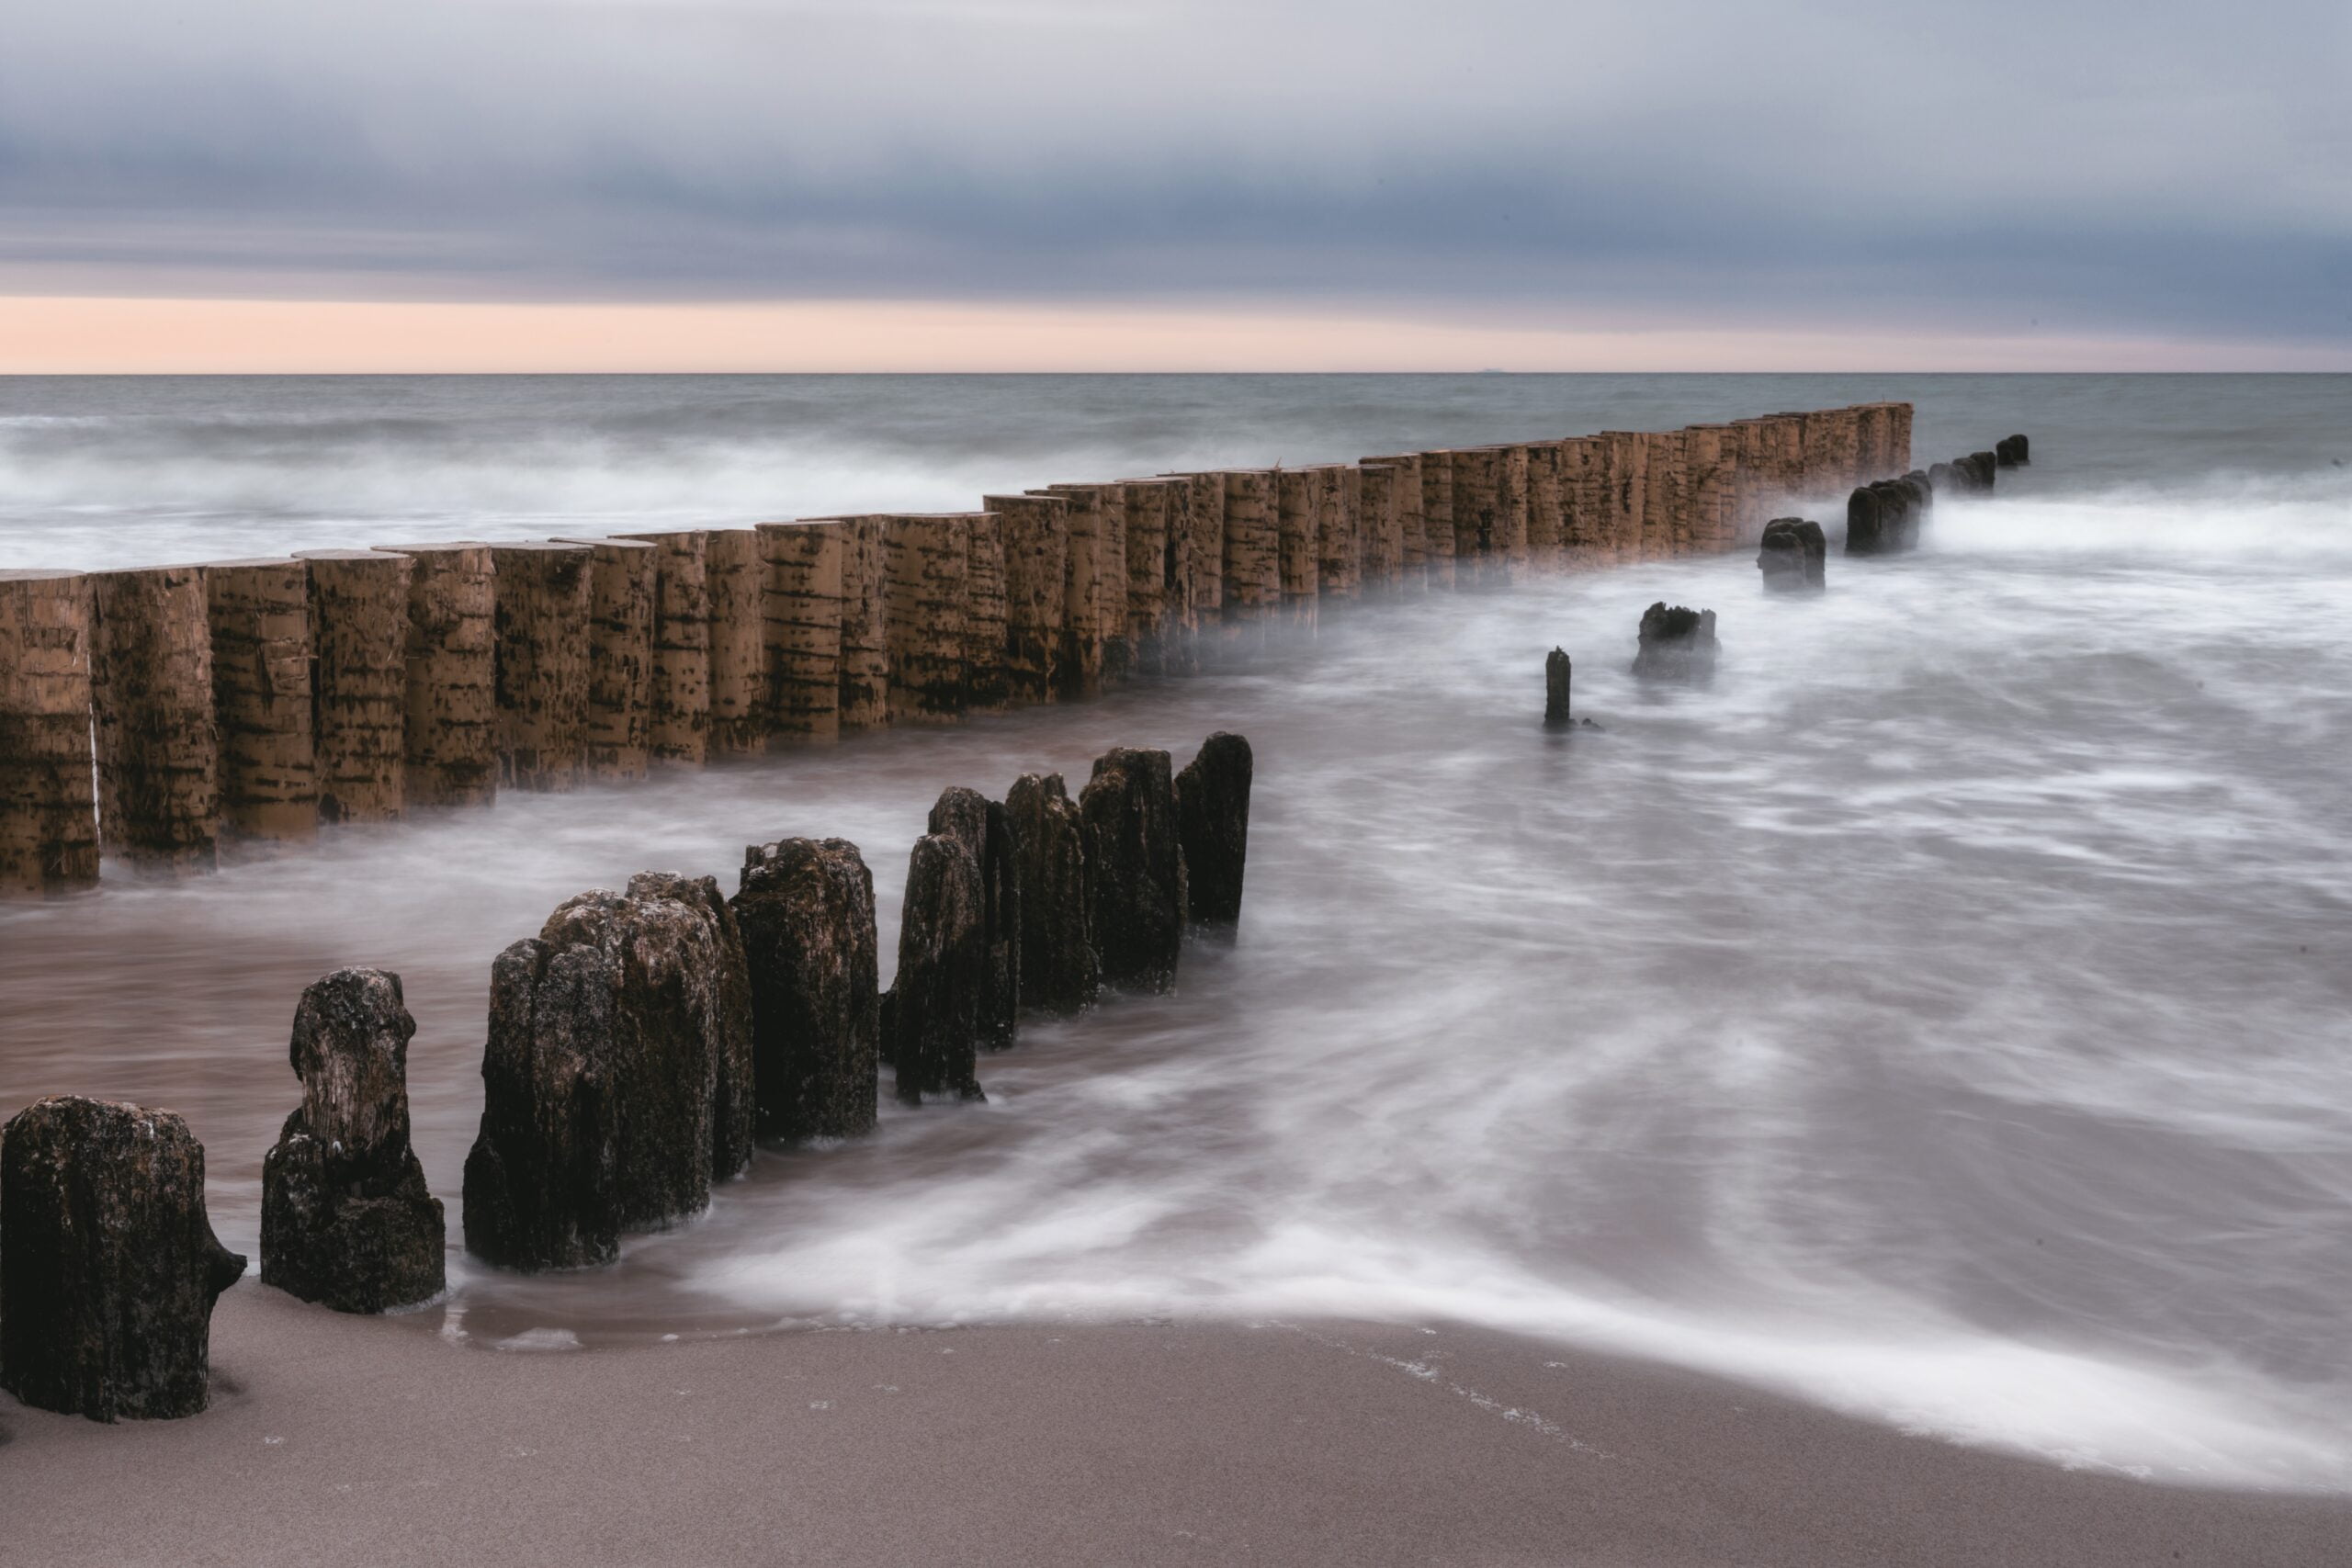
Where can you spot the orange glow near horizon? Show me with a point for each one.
(103, 336)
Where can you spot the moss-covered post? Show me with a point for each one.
(151, 692)
(260, 614)
(48, 825)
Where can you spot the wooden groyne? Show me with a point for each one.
(252, 700)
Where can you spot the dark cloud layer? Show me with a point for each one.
(2165, 167)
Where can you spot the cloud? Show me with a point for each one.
(2077, 167)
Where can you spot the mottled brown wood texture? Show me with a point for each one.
(48, 825)
(260, 615)
(735, 575)
(450, 744)
(544, 592)
(617, 744)
(927, 561)
(359, 682)
(151, 691)
(802, 615)
(1037, 550)
(677, 689)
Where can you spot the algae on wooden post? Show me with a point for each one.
(49, 827)
(450, 732)
(544, 592)
(260, 614)
(151, 693)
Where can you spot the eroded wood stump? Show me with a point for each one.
(1212, 828)
(2013, 452)
(806, 908)
(451, 733)
(260, 614)
(110, 1268)
(1558, 672)
(1037, 552)
(347, 1219)
(611, 1035)
(151, 696)
(49, 827)
(544, 594)
(1295, 528)
(1793, 555)
(1094, 593)
(930, 1018)
(1059, 972)
(1135, 869)
(1676, 644)
(359, 621)
(982, 827)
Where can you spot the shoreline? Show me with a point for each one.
(337, 1439)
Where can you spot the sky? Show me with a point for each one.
(190, 185)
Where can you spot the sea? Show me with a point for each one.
(1945, 1015)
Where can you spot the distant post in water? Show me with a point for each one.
(49, 829)
(1213, 826)
(360, 618)
(1134, 868)
(1676, 644)
(1059, 972)
(151, 691)
(1792, 557)
(1557, 671)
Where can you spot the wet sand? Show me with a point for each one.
(342, 1440)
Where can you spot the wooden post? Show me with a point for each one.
(260, 617)
(1476, 535)
(1378, 517)
(736, 577)
(48, 825)
(1094, 586)
(677, 694)
(1204, 548)
(1338, 493)
(544, 594)
(1252, 567)
(986, 688)
(1584, 541)
(1412, 544)
(450, 727)
(801, 616)
(150, 691)
(1708, 495)
(1437, 519)
(1666, 531)
(1543, 506)
(619, 741)
(1510, 512)
(927, 560)
(1294, 517)
(1557, 672)
(1036, 551)
(1898, 457)
(1153, 515)
(865, 641)
(359, 683)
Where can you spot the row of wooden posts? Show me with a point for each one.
(160, 713)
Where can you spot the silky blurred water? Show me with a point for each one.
(1944, 1015)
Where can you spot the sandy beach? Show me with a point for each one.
(341, 1440)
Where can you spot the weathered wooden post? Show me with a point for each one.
(1627, 457)
(1510, 547)
(1545, 539)
(1664, 524)
(545, 596)
(677, 687)
(260, 616)
(1059, 971)
(450, 727)
(1294, 507)
(866, 623)
(1094, 609)
(1438, 535)
(1212, 828)
(158, 744)
(1253, 574)
(1710, 493)
(49, 826)
(987, 686)
(1411, 575)
(1134, 868)
(347, 1219)
(1337, 491)
(110, 1271)
(2013, 452)
(1037, 549)
(806, 910)
(359, 622)
(928, 561)
(1581, 545)
(930, 1018)
(1477, 536)
(617, 740)
(616, 1080)
(802, 628)
(1203, 560)
(1556, 672)
(1676, 644)
(1792, 556)
(982, 827)
(1153, 515)
(735, 574)
(1381, 523)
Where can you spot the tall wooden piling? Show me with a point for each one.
(546, 593)
(866, 639)
(1203, 566)
(449, 743)
(1154, 514)
(736, 575)
(1708, 493)
(1413, 549)
(259, 612)
(1666, 516)
(1094, 609)
(359, 682)
(802, 628)
(1252, 578)
(151, 692)
(677, 689)
(1036, 551)
(49, 826)
(618, 741)
(1337, 491)
(987, 687)
(1476, 535)
(1295, 518)
(1583, 542)
(1544, 511)
(1510, 546)
(926, 559)
(1381, 527)
(1438, 536)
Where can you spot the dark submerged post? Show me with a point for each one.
(1134, 868)
(1794, 557)
(1212, 820)
(1676, 644)
(807, 913)
(930, 1018)
(1059, 971)
(347, 1219)
(984, 829)
(2010, 452)
(1557, 671)
(110, 1266)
